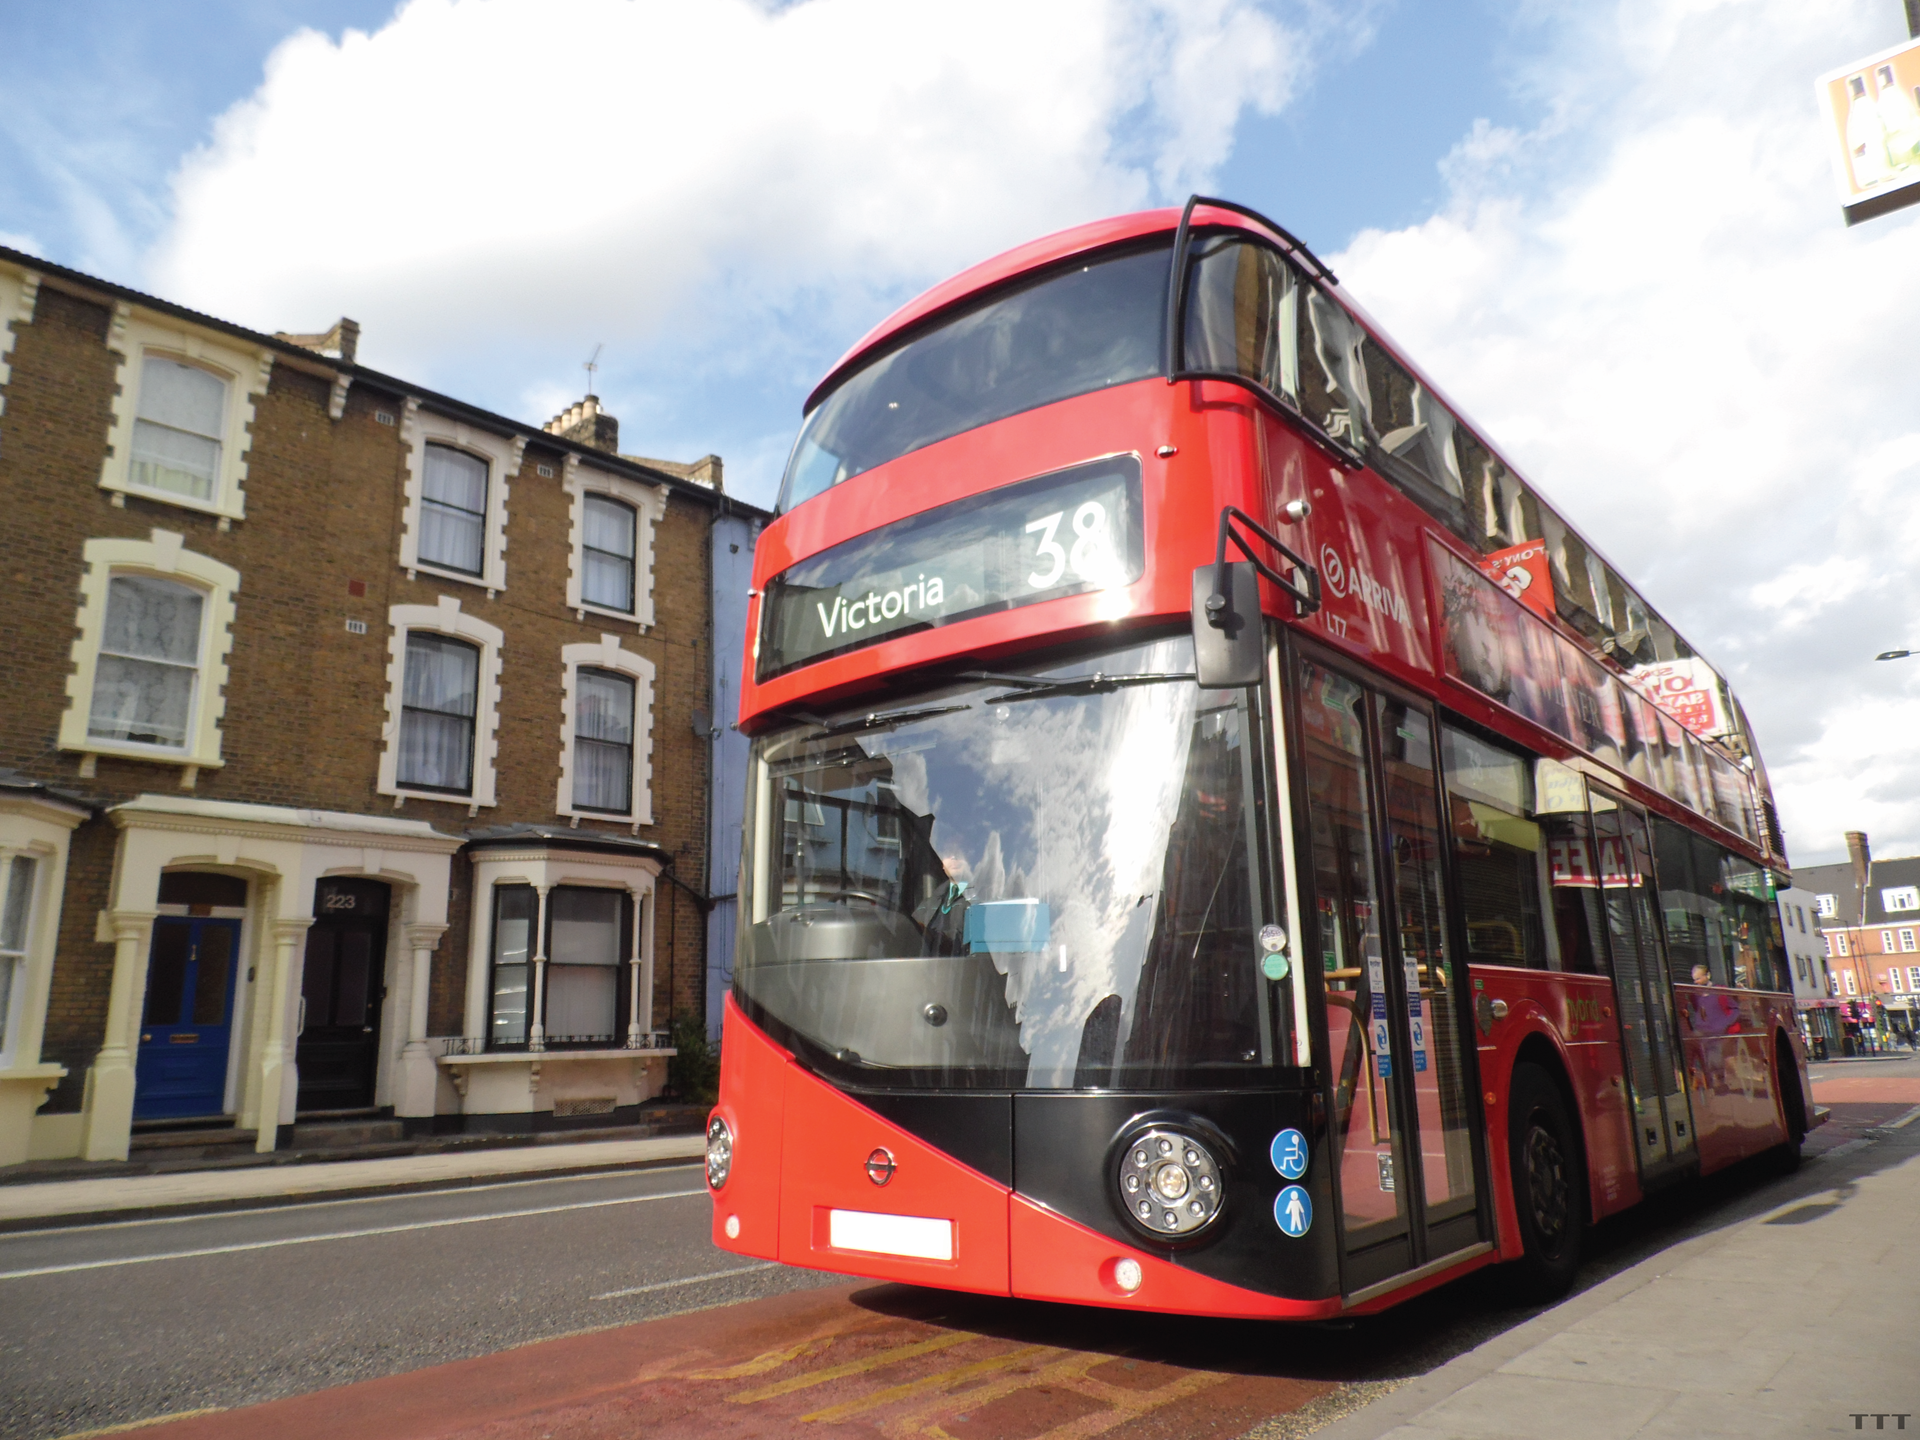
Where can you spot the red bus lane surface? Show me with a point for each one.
(850, 1363)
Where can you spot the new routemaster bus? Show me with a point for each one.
(1218, 841)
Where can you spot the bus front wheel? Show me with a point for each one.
(1548, 1184)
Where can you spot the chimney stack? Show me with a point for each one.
(1862, 859)
(339, 343)
(587, 424)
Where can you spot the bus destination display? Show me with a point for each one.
(1067, 533)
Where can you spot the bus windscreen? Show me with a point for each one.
(1075, 331)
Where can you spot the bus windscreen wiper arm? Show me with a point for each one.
(1094, 684)
(875, 720)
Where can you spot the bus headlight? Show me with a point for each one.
(719, 1152)
(1169, 1183)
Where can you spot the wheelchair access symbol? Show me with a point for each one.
(1293, 1211)
(1289, 1153)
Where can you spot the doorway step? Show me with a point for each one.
(189, 1145)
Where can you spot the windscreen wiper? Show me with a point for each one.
(876, 720)
(1094, 684)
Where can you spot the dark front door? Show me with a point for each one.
(341, 990)
(1403, 1138)
(187, 1022)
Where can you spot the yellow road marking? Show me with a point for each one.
(760, 1364)
(929, 1382)
(143, 1424)
(852, 1367)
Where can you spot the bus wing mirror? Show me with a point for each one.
(1229, 648)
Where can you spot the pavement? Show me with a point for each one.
(123, 1197)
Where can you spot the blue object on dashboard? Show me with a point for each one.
(1008, 926)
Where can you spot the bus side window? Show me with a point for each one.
(1688, 908)
(1240, 314)
(1572, 868)
(1500, 854)
(1333, 377)
(1416, 433)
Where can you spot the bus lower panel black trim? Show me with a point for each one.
(976, 1130)
(1062, 1147)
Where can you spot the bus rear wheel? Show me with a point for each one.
(1548, 1185)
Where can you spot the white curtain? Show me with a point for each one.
(608, 550)
(438, 696)
(453, 509)
(176, 434)
(583, 973)
(602, 741)
(149, 660)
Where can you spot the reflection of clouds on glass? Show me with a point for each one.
(1100, 778)
(910, 781)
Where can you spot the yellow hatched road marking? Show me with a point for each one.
(852, 1367)
(929, 1382)
(1067, 1374)
(760, 1364)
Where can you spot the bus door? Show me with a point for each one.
(1656, 1076)
(1404, 1137)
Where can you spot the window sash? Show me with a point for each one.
(609, 536)
(18, 906)
(585, 956)
(513, 917)
(453, 510)
(147, 669)
(603, 707)
(439, 703)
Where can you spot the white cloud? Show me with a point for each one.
(1652, 304)
(480, 178)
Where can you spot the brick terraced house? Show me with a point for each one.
(356, 750)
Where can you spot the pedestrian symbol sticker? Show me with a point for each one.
(1289, 1153)
(1293, 1211)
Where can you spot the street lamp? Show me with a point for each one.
(1893, 654)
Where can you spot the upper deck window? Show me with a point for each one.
(1069, 333)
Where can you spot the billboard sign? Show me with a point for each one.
(1521, 571)
(1689, 691)
(1872, 112)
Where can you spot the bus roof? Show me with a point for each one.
(1034, 255)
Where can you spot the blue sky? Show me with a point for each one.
(1609, 230)
(110, 97)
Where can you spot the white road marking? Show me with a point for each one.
(342, 1235)
(389, 1197)
(690, 1280)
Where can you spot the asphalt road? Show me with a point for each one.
(107, 1324)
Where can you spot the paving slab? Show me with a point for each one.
(135, 1196)
(1787, 1323)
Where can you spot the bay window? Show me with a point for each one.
(16, 905)
(561, 977)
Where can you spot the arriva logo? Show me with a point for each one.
(1349, 580)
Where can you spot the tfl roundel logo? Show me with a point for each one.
(880, 1165)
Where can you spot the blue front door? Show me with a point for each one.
(188, 1020)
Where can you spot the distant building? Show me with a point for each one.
(1806, 958)
(357, 749)
(1869, 916)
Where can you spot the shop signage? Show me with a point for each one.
(1871, 110)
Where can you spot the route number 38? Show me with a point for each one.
(1091, 556)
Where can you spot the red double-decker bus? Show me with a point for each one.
(1218, 841)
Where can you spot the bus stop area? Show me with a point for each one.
(1750, 1306)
